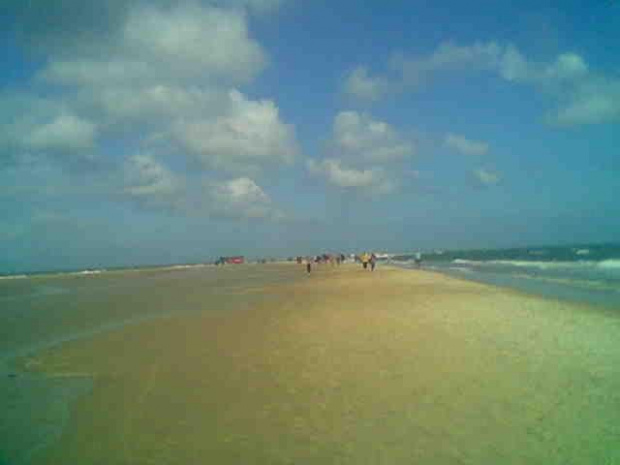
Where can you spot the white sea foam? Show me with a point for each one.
(460, 261)
(582, 283)
(16, 276)
(543, 265)
(610, 264)
(182, 267)
(89, 272)
(460, 269)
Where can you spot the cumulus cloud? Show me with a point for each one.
(242, 197)
(582, 96)
(66, 132)
(149, 181)
(35, 126)
(364, 154)
(513, 66)
(504, 59)
(362, 139)
(593, 102)
(194, 42)
(157, 76)
(360, 85)
(37, 21)
(180, 45)
(250, 133)
(465, 146)
(155, 103)
(487, 177)
(566, 66)
(449, 56)
(336, 174)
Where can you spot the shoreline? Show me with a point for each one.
(550, 290)
(315, 359)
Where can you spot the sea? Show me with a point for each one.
(584, 273)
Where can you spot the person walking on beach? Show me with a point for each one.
(365, 259)
(373, 261)
(308, 261)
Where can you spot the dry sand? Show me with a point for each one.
(347, 366)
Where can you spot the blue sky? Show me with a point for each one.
(155, 132)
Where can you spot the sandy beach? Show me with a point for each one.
(346, 367)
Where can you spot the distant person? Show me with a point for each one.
(373, 261)
(418, 259)
(365, 259)
(308, 265)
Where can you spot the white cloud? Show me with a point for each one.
(162, 75)
(148, 180)
(513, 66)
(593, 102)
(242, 197)
(465, 146)
(360, 85)
(176, 45)
(333, 171)
(85, 71)
(449, 56)
(31, 126)
(82, 26)
(363, 154)
(566, 66)
(361, 138)
(152, 184)
(582, 96)
(66, 132)
(158, 102)
(487, 177)
(251, 133)
(194, 42)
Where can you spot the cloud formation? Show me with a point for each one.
(582, 96)
(66, 132)
(363, 155)
(363, 87)
(363, 139)
(163, 77)
(149, 181)
(251, 133)
(487, 177)
(465, 146)
(242, 197)
(595, 101)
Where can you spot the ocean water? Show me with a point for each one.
(584, 273)
(41, 311)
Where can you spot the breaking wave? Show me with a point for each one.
(610, 264)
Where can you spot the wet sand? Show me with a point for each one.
(352, 367)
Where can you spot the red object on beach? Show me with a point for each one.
(235, 260)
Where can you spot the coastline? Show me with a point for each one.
(348, 367)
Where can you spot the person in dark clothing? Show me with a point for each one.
(373, 262)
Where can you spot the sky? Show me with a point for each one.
(142, 133)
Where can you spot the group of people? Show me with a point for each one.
(333, 259)
(368, 259)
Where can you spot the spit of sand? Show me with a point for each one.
(348, 366)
